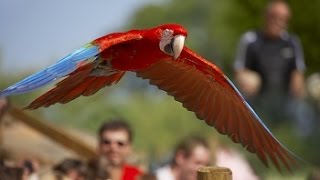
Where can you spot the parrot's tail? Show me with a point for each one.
(76, 84)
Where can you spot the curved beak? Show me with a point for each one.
(177, 46)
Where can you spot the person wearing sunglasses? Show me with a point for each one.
(115, 137)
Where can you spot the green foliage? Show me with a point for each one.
(306, 24)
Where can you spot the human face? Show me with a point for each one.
(189, 166)
(115, 146)
(277, 17)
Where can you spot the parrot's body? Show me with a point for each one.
(159, 54)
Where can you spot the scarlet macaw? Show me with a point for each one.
(159, 54)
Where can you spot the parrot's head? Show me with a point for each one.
(172, 37)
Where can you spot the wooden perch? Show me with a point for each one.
(214, 173)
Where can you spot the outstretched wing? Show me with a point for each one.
(79, 82)
(69, 64)
(202, 88)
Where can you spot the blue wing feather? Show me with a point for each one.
(62, 68)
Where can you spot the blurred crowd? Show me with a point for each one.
(269, 71)
(114, 146)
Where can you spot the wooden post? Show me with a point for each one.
(214, 173)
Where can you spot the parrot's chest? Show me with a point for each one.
(133, 55)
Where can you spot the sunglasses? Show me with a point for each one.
(109, 142)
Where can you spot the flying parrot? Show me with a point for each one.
(159, 55)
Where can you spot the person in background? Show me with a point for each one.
(70, 169)
(67, 169)
(30, 168)
(189, 155)
(269, 67)
(115, 138)
(10, 171)
(236, 162)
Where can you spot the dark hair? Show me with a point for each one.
(68, 164)
(115, 124)
(27, 164)
(187, 145)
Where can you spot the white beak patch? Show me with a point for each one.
(178, 44)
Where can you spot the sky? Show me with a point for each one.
(37, 33)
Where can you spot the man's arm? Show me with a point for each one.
(248, 81)
(297, 78)
(297, 84)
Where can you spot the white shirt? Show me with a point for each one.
(239, 166)
(164, 173)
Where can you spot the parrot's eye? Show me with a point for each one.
(167, 33)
